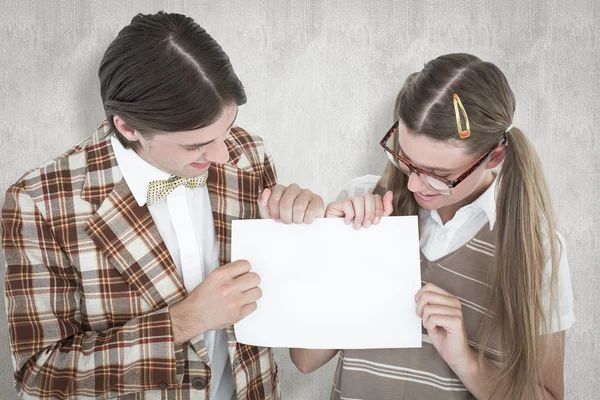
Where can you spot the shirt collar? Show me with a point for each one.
(137, 172)
(486, 203)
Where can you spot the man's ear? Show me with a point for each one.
(128, 133)
(496, 157)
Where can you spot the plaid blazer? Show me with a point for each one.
(89, 280)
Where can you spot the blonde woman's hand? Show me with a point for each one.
(442, 316)
(364, 210)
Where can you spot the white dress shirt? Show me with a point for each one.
(438, 240)
(185, 222)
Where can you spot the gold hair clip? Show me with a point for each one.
(463, 134)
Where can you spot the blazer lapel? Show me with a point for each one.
(218, 203)
(233, 195)
(126, 233)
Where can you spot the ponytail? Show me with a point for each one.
(524, 222)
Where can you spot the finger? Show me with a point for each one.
(430, 310)
(430, 287)
(286, 204)
(388, 207)
(246, 282)
(300, 208)
(378, 209)
(274, 200)
(316, 207)
(359, 210)
(450, 324)
(431, 298)
(309, 217)
(251, 296)
(369, 210)
(245, 311)
(263, 204)
(348, 211)
(234, 269)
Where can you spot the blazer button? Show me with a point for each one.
(199, 384)
(162, 386)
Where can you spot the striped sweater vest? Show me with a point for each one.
(421, 373)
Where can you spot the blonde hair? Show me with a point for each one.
(525, 219)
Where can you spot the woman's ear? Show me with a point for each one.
(128, 133)
(496, 157)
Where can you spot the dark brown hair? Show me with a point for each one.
(525, 218)
(165, 73)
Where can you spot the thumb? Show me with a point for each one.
(341, 209)
(263, 204)
(335, 209)
(388, 208)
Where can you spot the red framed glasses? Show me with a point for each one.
(437, 183)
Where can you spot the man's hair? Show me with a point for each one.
(165, 73)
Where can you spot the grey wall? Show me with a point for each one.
(321, 78)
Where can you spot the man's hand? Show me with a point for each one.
(290, 204)
(224, 298)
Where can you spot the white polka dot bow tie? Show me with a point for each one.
(158, 190)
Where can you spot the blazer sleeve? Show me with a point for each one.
(53, 357)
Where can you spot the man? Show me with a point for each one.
(111, 283)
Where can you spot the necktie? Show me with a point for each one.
(158, 190)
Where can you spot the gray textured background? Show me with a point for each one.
(321, 78)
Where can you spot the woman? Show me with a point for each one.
(497, 293)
